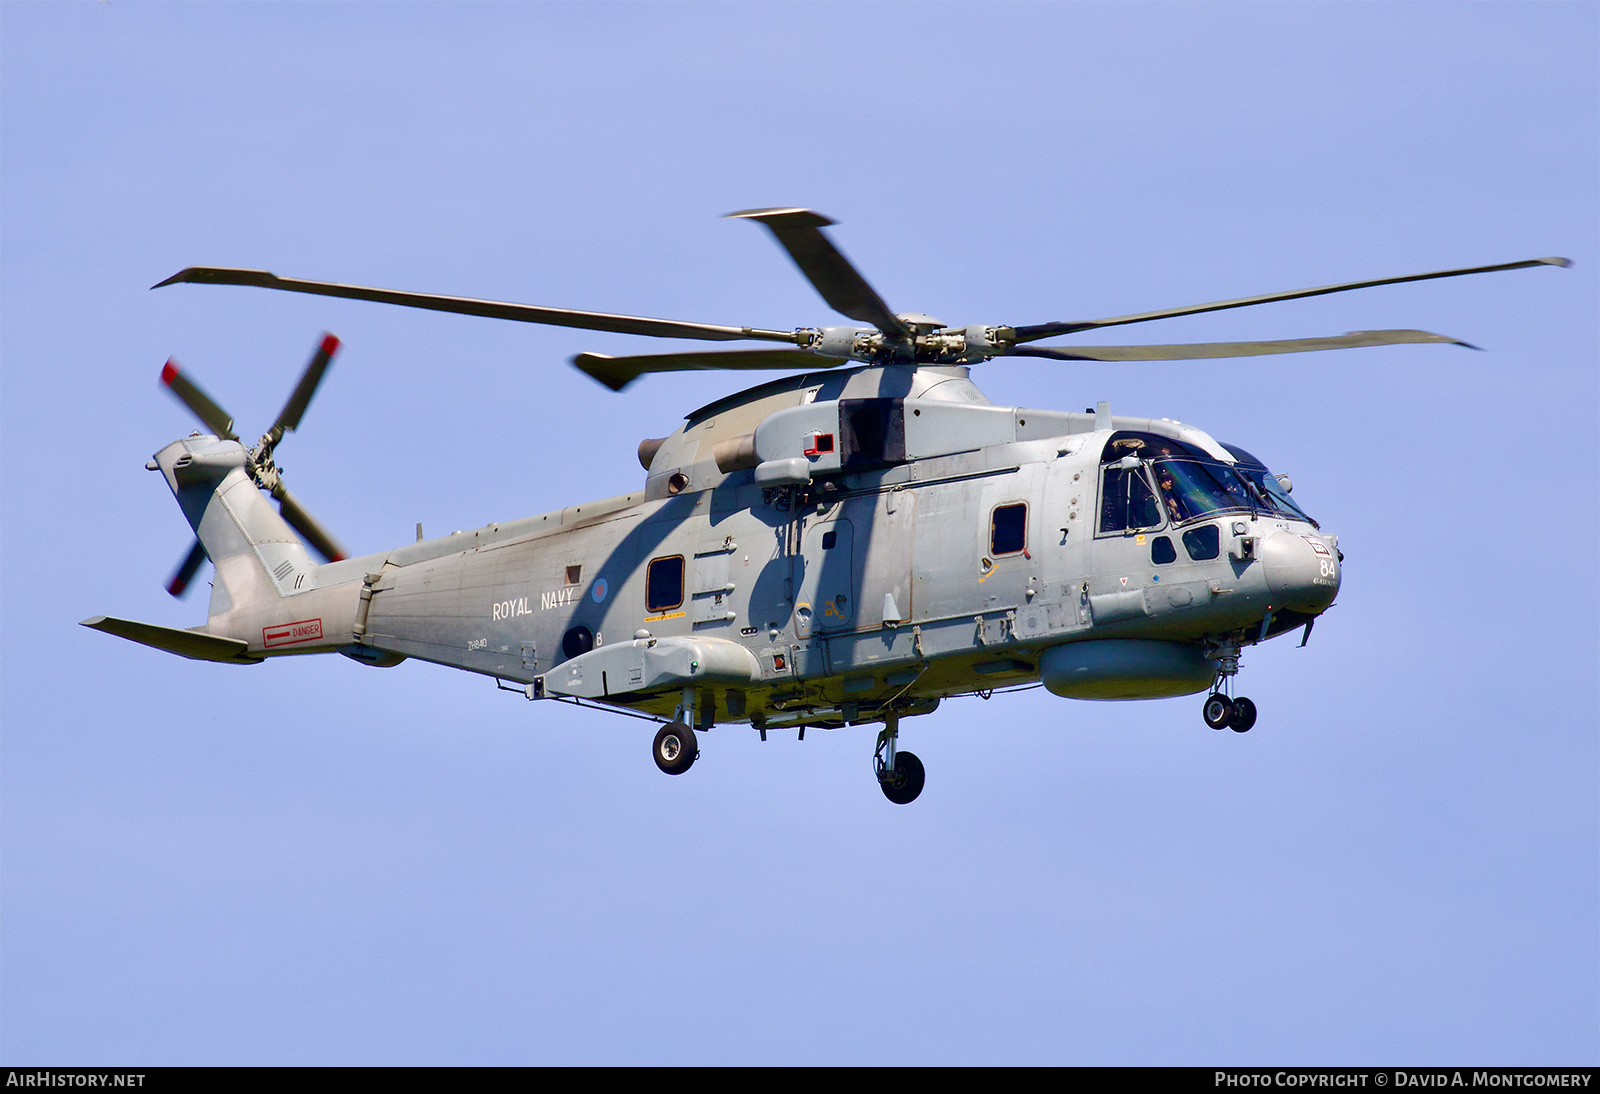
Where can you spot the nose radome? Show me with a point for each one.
(1302, 578)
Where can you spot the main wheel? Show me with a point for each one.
(1244, 715)
(675, 748)
(1218, 711)
(905, 784)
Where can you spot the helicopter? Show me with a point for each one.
(848, 545)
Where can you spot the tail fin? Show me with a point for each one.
(256, 554)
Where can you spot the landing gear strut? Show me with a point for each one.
(900, 774)
(1222, 709)
(676, 748)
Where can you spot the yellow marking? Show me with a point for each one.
(659, 618)
(1139, 539)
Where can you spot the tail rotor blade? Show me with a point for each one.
(289, 416)
(186, 570)
(189, 393)
(301, 520)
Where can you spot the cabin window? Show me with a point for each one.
(1162, 551)
(1203, 543)
(663, 584)
(1008, 529)
(829, 539)
(575, 574)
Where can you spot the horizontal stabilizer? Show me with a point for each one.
(195, 645)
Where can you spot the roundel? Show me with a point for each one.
(600, 590)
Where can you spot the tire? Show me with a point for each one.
(1218, 711)
(1244, 715)
(905, 784)
(676, 748)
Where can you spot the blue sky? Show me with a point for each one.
(316, 862)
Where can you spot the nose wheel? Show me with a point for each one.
(1218, 711)
(1224, 711)
(1221, 712)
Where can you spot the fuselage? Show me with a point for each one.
(941, 546)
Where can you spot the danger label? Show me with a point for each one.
(306, 630)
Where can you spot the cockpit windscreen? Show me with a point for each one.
(1189, 484)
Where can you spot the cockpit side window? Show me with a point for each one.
(1126, 501)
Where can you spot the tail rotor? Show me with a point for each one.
(262, 468)
(186, 570)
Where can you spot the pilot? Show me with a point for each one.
(1169, 496)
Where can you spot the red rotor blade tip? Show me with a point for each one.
(169, 371)
(330, 344)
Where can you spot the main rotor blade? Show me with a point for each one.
(492, 309)
(301, 520)
(798, 231)
(300, 398)
(618, 372)
(1046, 330)
(186, 570)
(1198, 350)
(216, 419)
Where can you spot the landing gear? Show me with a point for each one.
(1222, 710)
(900, 774)
(676, 748)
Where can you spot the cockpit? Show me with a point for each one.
(1148, 480)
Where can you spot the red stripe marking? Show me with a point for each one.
(169, 371)
(176, 587)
